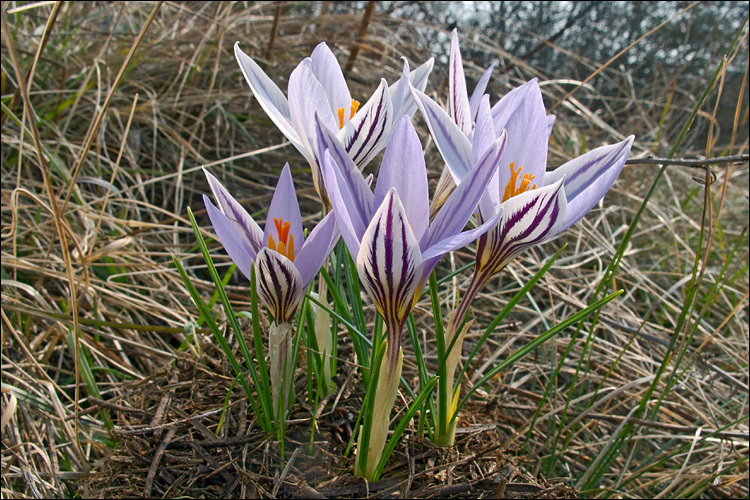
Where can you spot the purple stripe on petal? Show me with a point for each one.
(458, 97)
(279, 285)
(364, 136)
(389, 263)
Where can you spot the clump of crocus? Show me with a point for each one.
(285, 264)
(395, 247)
(317, 86)
(535, 205)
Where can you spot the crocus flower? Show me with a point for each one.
(285, 261)
(535, 205)
(389, 235)
(317, 85)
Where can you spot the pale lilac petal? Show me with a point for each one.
(319, 244)
(306, 97)
(365, 135)
(417, 79)
(389, 262)
(247, 228)
(454, 214)
(450, 141)
(400, 92)
(528, 219)
(550, 124)
(484, 131)
(403, 168)
(238, 248)
(458, 96)
(279, 285)
(351, 223)
(505, 107)
(527, 136)
(357, 186)
(284, 206)
(589, 177)
(476, 96)
(269, 96)
(327, 70)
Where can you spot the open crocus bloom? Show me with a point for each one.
(286, 262)
(388, 232)
(536, 204)
(317, 85)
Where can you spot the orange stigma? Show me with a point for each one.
(286, 240)
(510, 189)
(342, 112)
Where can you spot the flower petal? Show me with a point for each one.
(458, 96)
(589, 177)
(359, 189)
(246, 227)
(365, 135)
(306, 97)
(279, 285)
(526, 123)
(284, 206)
(389, 262)
(452, 143)
(454, 214)
(403, 168)
(417, 79)
(328, 72)
(476, 96)
(350, 221)
(454, 242)
(528, 219)
(269, 96)
(319, 244)
(238, 248)
(484, 131)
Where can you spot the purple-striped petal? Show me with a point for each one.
(246, 228)
(454, 242)
(238, 248)
(358, 187)
(450, 141)
(528, 219)
(389, 263)
(365, 134)
(403, 168)
(476, 96)
(279, 285)
(284, 206)
(458, 96)
(589, 177)
(350, 221)
(327, 70)
(269, 96)
(454, 214)
(318, 245)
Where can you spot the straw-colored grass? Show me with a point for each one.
(109, 111)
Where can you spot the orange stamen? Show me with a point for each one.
(510, 189)
(354, 108)
(286, 241)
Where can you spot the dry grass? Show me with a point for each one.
(94, 201)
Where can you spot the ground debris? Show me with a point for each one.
(168, 446)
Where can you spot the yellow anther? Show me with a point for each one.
(286, 241)
(510, 189)
(342, 113)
